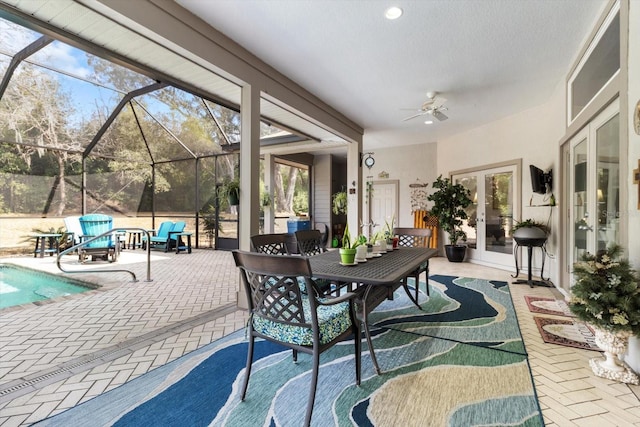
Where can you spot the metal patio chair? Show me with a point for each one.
(281, 312)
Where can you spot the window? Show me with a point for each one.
(600, 63)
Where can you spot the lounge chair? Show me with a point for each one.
(74, 230)
(105, 247)
(172, 242)
(161, 236)
(165, 237)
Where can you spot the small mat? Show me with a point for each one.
(556, 307)
(566, 332)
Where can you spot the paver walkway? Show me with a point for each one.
(57, 355)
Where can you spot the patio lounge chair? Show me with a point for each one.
(172, 242)
(74, 230)
(282, 313)
(163, 238)
(105, 247)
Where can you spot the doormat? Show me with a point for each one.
(566, 332)
(556, 307)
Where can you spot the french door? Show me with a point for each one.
(495, 192)
(381, 206)
(594, 186)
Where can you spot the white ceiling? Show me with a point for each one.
(489, 58)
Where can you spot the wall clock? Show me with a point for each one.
(369, 161)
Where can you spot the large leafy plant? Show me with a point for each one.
(449, 203)
(607, 292)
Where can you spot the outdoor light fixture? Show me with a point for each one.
(393, 12)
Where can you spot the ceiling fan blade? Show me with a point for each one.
(439, 115)
(414, 116)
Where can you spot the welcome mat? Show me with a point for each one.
(556, 307)
(566, 332)
(458, 362)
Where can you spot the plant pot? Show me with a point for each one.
(347, 255)
(455, 253)
(613, 344)
(533, 236)
(233, 198)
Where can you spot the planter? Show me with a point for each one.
(613, 344)
(233, 198)
(455, 253)
(530, 236)
(347, 255)
(361, 253)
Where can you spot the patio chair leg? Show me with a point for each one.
(413, 299)
(248, 369)
(314, 383)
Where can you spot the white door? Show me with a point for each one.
(495, 193)
(594, 182)
(381, 206)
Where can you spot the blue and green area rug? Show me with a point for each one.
(459, 362)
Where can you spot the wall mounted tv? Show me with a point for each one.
(541, 182)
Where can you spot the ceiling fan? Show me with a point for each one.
(433, 106)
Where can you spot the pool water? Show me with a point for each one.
(20, 285)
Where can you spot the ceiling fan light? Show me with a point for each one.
(393, 12)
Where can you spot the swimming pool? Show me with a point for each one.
(19, 285)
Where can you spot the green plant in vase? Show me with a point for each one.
(348, 249)
(606, 295)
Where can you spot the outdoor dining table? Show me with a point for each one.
(377, 277)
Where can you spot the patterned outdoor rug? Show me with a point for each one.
(570, 333)
(556, 307)
(459, 362)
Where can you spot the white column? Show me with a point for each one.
(354, 188)
(249, 212)
(268, 182)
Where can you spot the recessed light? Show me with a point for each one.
(393, 12)
(428, 122)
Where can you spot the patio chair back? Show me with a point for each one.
(164, 229)
(309, 242)
(415, 237)
(272, 244)
(94, 225)
(74, 229)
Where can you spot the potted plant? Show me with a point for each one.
(606, 295)
(230, 188)
(339, 203)
(449, 203)
(209, 223)
(348, 249)
(530, 229)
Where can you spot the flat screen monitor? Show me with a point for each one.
(538, 180)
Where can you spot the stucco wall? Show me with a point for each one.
(406, 164)
(532, 136)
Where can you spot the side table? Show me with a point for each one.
(46, 243)
(180, 246)
(134, 239)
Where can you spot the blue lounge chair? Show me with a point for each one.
(161, 239)
(172, 242)
(105, 247)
